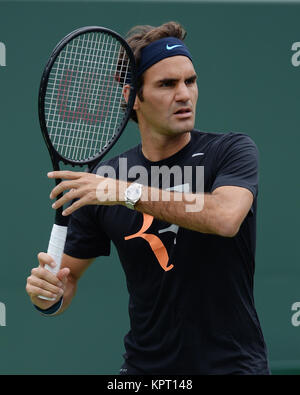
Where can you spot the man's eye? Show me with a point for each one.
(190, 81)
(167, 83)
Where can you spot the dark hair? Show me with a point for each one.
(140, 36)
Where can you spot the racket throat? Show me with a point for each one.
(60, 219)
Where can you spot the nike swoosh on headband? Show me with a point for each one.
(173, 46)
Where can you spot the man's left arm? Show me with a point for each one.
(220, 212)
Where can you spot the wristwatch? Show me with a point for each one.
(133, 194)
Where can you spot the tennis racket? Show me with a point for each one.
(82, 111)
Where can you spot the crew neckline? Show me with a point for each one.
(170, 159)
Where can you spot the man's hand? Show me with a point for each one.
(89, 189)
(44, 283)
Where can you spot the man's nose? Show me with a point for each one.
(182, 92)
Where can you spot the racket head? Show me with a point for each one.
(82, 112)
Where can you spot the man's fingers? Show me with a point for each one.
(44, 274)
(38, 286)
(64, 186)
(46, 259)
(76, 205)
(42, 282)
(76, 182)
(62, 275)
(65, 174)
(34, 291)
(67, 197)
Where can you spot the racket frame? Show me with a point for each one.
(56, 157)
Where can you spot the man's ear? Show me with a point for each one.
(126, 93)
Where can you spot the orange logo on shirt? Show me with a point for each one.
(155, 243)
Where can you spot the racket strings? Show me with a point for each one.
(83, 102)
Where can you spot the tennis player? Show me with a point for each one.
(188, 254)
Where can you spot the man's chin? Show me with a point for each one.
(184, 126)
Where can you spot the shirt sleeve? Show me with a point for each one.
(85, 238)
(237, 163)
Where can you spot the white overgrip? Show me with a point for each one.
(56, 246)
(55, 249)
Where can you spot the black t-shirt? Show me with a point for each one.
(191, 301)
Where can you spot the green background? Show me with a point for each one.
(247, 83)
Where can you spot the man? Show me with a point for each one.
(188, 256)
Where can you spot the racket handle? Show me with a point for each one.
(55, 249)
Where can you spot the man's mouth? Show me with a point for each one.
(183, 112)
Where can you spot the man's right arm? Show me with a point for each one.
(64, 283)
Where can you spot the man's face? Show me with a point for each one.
(170, 95)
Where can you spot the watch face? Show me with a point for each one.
(132, 195)
(134, 192)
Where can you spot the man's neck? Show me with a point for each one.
(159, 147)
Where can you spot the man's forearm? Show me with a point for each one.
(199, 212)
